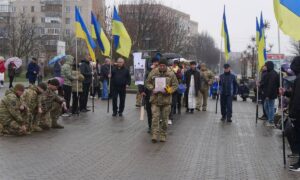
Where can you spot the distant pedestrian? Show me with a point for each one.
(41, 74)
(86, 71)
(11, 73)
(66, 73)
(96, 84)
(270, 87)
(105, 68)
(228, 89)
(2, 71)
(261, 93)
(120, 80)
(193, 83)
(32, 71)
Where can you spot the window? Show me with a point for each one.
(68, 9)
(50, 31)
(42, 31)
(56, 31)
(32, 8)
(43, 20)
(43, 8)
(68, 32)
(68, 20)
(33, 20)
(24, 9)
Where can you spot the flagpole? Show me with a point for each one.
(257, 89)
(93, 87)
(111, 55)
(218, 90)
(281, 104)
(77, 83)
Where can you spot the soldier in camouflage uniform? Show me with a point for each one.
(51, 105)
(207, 78)
(30, 97)
(13, 112)
(161, 100)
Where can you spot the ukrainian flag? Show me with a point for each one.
(257, 32)
(287, 13)
(82, 32)
(122, 40)
(98, 33)
(225, 35)
(261, 44)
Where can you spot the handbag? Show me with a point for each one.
(181, 88)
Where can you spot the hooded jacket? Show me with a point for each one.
(86, 71)
(66, 71)
(270, 84)
(294, 107)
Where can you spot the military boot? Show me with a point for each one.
(163, 138)
(154, 138)
(55, 125)
(36, 129)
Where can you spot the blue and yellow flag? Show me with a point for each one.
(225, 35)
(82, 32)
(287, 13)
(122, 40)
(257, 32)
(261, 49)
(98, 33)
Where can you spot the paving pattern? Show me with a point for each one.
(96, 146)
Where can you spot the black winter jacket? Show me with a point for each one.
(197, 78)
(86, 71)
(270, 84)
(120, 77)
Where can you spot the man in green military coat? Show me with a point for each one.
(162, 82)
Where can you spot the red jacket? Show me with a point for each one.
(2, 67)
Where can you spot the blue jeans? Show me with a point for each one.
(105, 89)
(270, 109)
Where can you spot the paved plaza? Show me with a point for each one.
(96, 146)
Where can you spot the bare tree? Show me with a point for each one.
(295, 47)
(24, 37)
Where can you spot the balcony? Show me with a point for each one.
(53, 2)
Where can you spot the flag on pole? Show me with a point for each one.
(98, 33)
(82, 32)
(287, 14)
(122, 40)
(257, 32)
(225, 35)
(261, 44)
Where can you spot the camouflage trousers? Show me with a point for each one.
(13, 128)
(160, 113)
(138, 99)
(202, 99)
(49, 119)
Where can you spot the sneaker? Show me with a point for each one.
(65, 115)
(270, 124)
(263, 118)
(170, 122)
(223, 119)
(295, 168)
(120, 114)
(293, 165)
(293, 155)
(114, 114)
(229, 120)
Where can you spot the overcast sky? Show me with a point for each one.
(240, 19)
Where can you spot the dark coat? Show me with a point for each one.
(294, 107)
(104, 72)
(120, 77)
(86, 71)
(57, 70)
(270, 83)
(11, 69)
(262, 80)
(228, 84)
(188, 74)
(32, 71)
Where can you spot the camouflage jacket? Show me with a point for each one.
(171, 81)
(10, 109)
(47, 99)
(30, 97)
(78, 77)
(207, 78)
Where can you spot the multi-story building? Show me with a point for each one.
(55, 19)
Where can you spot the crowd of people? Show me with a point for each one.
(168, 87)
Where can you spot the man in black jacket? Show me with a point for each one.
(270, 87)
(86, 71)
(120, 80)
(294, 108)
(228, 89)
